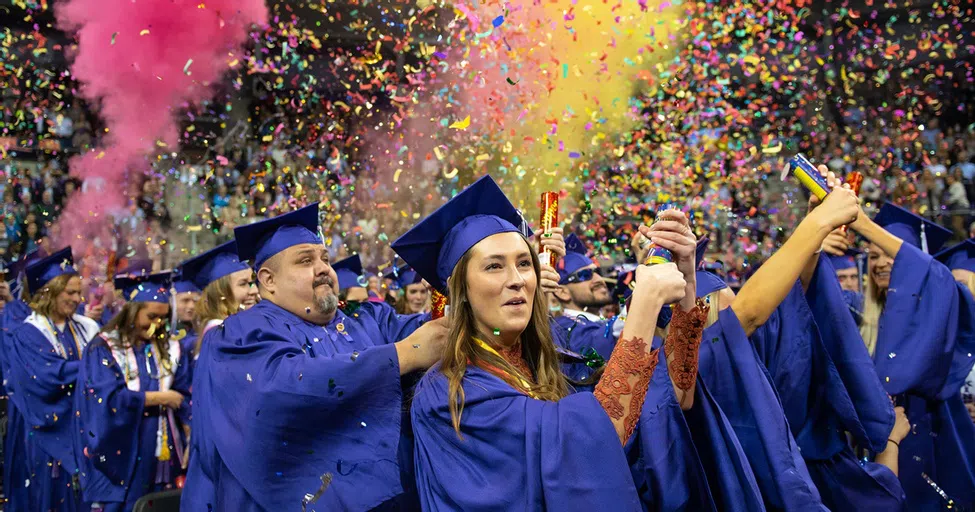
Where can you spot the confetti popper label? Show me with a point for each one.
(658, 254)
(438, 305)
(549, 221)
(808, 176)
(855, 180)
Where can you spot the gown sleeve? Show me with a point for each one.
(733, 372)
(581, 335)
(183, 383)
(282, 418)
(855, 393)
(516, 453)
(927, 332)
(40, 384)
(109, 412)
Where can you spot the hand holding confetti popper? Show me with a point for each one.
(549, 221)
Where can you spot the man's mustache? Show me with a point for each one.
(322, 280)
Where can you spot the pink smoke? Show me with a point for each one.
(138, 62)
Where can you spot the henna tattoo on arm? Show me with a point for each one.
(627, 375)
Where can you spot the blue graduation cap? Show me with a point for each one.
(435, 245)
(847, 260)
(407, 276)
(575, 258)
(203, 269)
(708, 283)
(912, 228)
(184, 286)
(41, 272)
(348, 271)
(15, 268)
(960, 256)
(259, 241)
(145, 288)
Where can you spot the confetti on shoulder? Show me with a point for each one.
(461, 125)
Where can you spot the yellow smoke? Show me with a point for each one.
(584, 64)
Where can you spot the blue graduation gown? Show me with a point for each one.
(925, 343)
(733, 374)
(281, 404)
(517, 453)
(15, 474)
(40, 384)
(680, 460)
(580, 334)
(119, 433)
(822, 373)
(689, 460)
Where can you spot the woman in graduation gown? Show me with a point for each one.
(42, 360)
(227, 286)
(132, 385)
(494, 422)
(917, 323)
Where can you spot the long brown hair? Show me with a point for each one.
(44, 301)
(217, 302)
(537, 346)
(123, 326)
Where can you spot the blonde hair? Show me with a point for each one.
(216, 302)
(44, 301)
(537, 346)
(873, 305)
(969, 281)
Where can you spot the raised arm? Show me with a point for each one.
(867, 228)
(772, 282)
(673, 232)
(624, 384)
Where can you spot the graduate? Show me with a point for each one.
(734, 373)
(416, 294)
(848, 270)
(185, 296)
(41, 362)
(495, 424)
(14, 313)
(582, 288)
(917, 324)
(133, 400)
(961, 260)
(295, 401)
(349, 274)
(228, 287)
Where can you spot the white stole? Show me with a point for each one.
(85, 327)
(126, 359)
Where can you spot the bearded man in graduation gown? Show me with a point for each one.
(298, 404)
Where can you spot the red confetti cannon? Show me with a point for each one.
(438, 304)
(549, 221)
(854, 180)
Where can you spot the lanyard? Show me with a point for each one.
(74, 337)
(525, 386)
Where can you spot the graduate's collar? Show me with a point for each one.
(293, 319)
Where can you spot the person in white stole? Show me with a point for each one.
(133, 406)
(42, 359)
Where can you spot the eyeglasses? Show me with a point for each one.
(580, 276)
